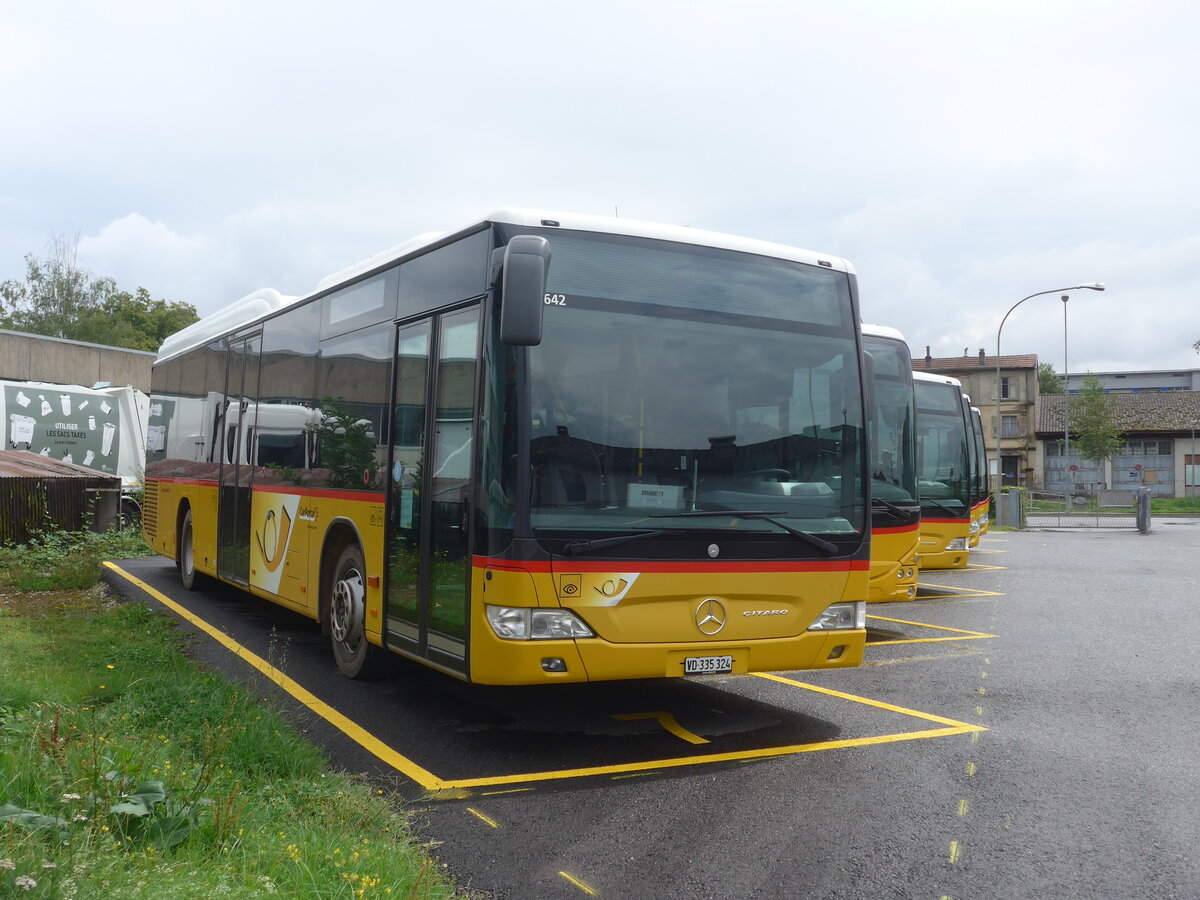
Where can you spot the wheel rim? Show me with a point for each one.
(346, 608)
(185, 550)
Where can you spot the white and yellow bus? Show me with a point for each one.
(542, 448)
(895, 508)
(981, 507)
(943, 471)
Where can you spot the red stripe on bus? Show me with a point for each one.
(897, 529)
(331, 493)
(953, 521)
(642, 565)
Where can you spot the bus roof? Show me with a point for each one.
(883, 331)
(937, 379)
(263, 302)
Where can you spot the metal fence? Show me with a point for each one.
(1127, 509)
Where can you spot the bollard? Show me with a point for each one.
(1143, 510)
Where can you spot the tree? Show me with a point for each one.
(1048, 381)
(59, 299)
(1094, 432)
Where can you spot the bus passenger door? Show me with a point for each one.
(233, 503)
(429, 486)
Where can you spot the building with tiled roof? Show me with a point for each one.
(1018, 448)
(1161, 448)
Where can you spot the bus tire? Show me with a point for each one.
(185, 557)
(354, 654)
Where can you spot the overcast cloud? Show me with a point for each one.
(962, 155)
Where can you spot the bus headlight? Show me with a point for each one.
(957, 544)
(841, 616)
(519, 623)
(975, 527)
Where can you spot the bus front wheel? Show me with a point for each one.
(186, 557)
(355, 656)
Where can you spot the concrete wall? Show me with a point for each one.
(32, 357)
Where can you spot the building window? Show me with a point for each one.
(1010, 427)
(1006, 391)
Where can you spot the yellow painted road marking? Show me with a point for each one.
(511, 791)
(979, 567)
(938, 627)
(439, 788)
(351, 729)
(477, 814)
(926, 658)
(590, 891)
(954, 851)
(667, 721)
(958, 591)
(963, 806)
(970, 769)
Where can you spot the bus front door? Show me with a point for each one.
(428, 580)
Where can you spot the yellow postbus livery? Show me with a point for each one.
(895, 508)
(944, 471)
(542, 448)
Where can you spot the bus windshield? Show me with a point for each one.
(941, 448)
(893, 450)
(674, 380)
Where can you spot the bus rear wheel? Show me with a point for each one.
(355, 656)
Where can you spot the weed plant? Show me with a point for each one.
(66, 560)
(127, 771)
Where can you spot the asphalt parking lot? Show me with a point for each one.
(1023, 729)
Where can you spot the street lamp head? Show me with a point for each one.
(1090, 286)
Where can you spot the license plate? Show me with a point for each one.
(707, 665)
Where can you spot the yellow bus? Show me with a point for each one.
(943, 471)
(895, 509)
(542, 448)
(981, 509)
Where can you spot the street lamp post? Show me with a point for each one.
(1066, 395)
(1091, 286)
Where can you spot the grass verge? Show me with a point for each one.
(127, 771)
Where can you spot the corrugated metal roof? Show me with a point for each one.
(23, 464)
(1142, 411)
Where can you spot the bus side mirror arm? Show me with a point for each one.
(522, 290)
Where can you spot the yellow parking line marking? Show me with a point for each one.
(979, 567)
(667, 721)
(954, 851)
(477, 814)
(926, 658)
(587, 889)
(970, 770)
(959, 591)
(963, 635)
(351, 729)
(963, 806)
(511, 791)
(439, 788)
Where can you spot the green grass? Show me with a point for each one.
(59, 560)
(127, 771)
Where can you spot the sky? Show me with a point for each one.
(961, 155)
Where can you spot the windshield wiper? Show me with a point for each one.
(897, 511)
(764, 515)
(955, 513)
(572, 548)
